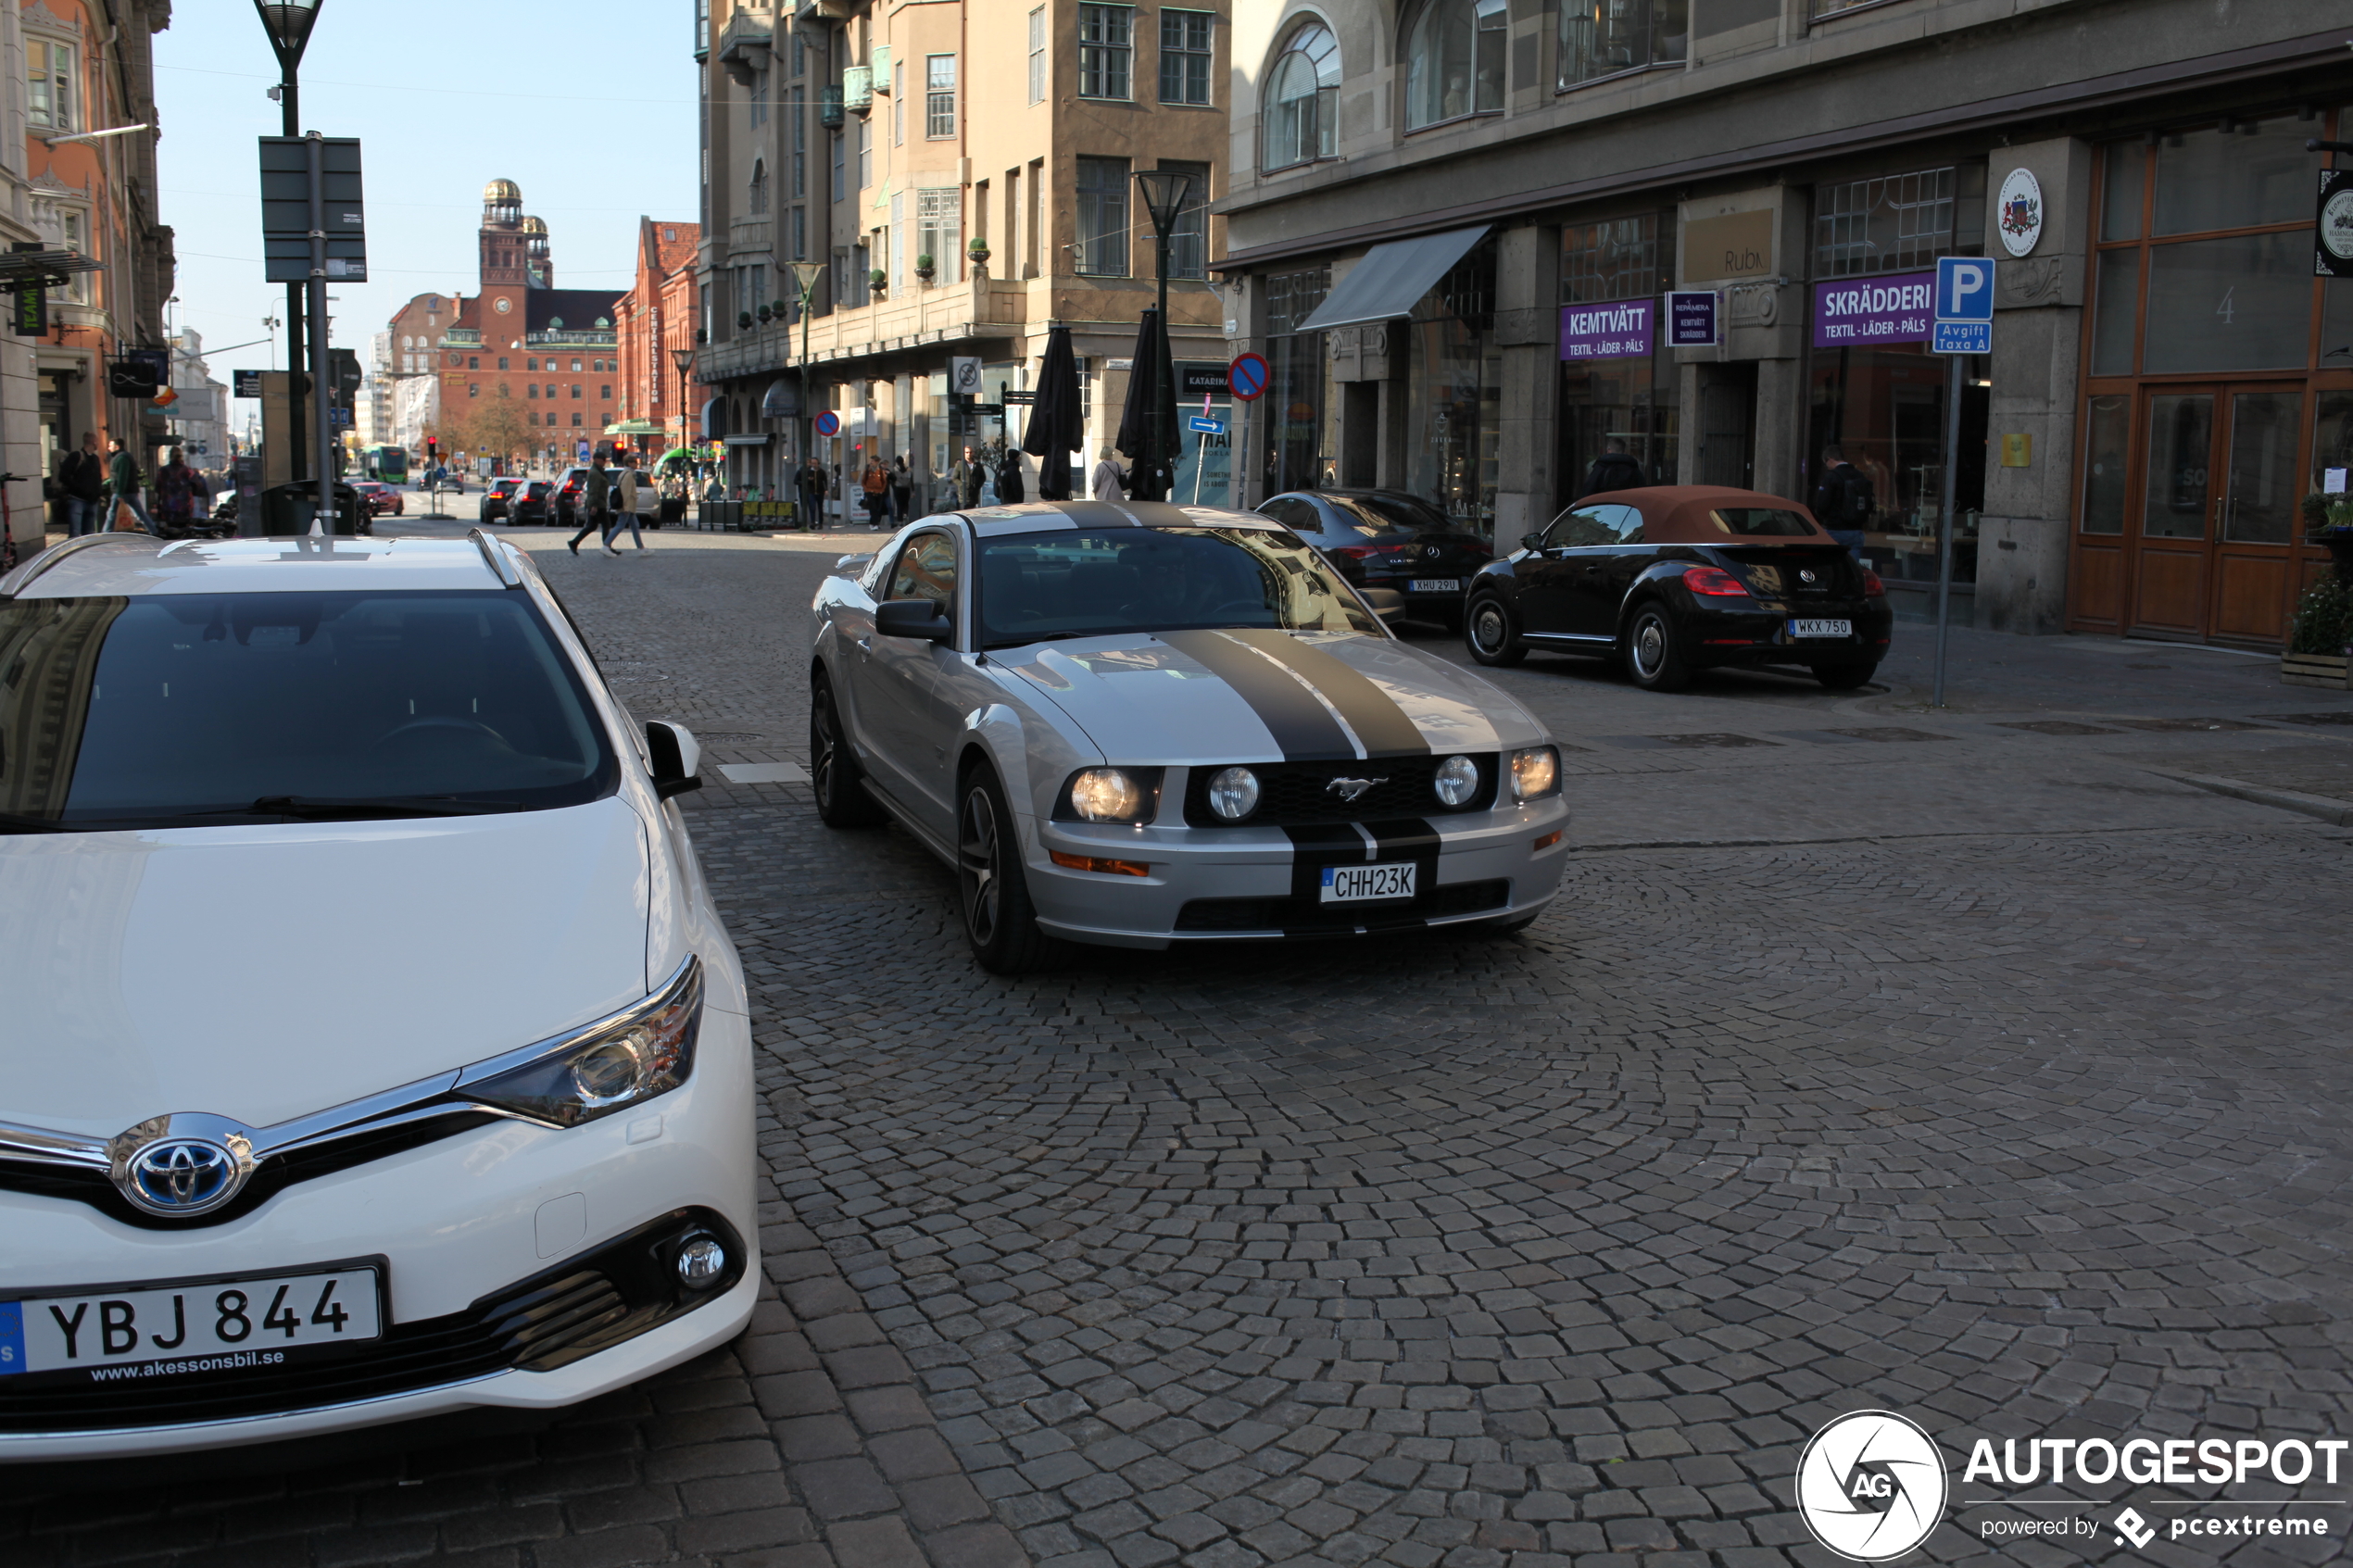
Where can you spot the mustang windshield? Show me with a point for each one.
(180, 710)
(1039, 587)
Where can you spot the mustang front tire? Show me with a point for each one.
(999, 921)
(832, 773)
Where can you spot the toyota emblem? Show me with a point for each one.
(179, 1166)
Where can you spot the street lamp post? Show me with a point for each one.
(289, 22)
(1166, 191)
(683, 358)
(806, 274)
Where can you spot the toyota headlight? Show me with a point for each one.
(1111, 795)
(612, 1064)
(1233, 793)
(1536, 771)
(1457, 782)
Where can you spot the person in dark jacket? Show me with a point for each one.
(1844, 500)
(903, 489)
(1008, 480)
(812, 483)
(82, 477)
(125, 484)
(596, 506)
(1614, 469)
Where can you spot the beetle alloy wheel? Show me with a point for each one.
(1650, 645)
(1489, 629)
(977, 847)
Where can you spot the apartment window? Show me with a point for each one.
(1303, 100)
(757, 104)
(800, 147)
(841, 175)
(50, 75)
(576, 393)
(502, 362)
(800, 233)
(1102, 215)
(865, 153)
(604, 393)
(1454, 62)
(575, 364)
(759, 205)
(799, 51)
(473, 362)
(1106, 51)
(575, 422)
(534, 418)
(1184, 55)
(1621, 260)
(939, 97)
(1604, 37)
(899, 104)
(939, 230)
(1188, 237)
(702, 26)
(1899, 223)
(531, 390)
(528, 365)
(1038, 56)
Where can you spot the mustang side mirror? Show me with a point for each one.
(913, 618)
(677, 758)
(1529, 541)
(1386, 603)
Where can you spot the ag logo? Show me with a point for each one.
(1871, 1486)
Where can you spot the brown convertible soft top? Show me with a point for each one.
(1678, 514)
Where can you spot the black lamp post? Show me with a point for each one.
(1166, 192)
(289, 22)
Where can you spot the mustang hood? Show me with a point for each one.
(263, 972)
(1176, 698)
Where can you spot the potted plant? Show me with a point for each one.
(977, 251)
(743, 320)
(765, 316)
(777, 308)
(2315, 655)
(875, 281)
(923, 268)
(2338, 536)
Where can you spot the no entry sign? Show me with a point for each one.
(829, 424)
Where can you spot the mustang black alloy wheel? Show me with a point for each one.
(999, 921)
(1487, 630)
(832, 773)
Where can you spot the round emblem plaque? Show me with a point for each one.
(2019, 212)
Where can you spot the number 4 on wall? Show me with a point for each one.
(2226, 308)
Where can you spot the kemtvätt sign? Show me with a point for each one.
(1618, 330)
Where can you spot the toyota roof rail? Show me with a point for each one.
(494, 555)
(21, 577)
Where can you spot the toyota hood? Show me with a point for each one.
(1177, 698)
(262, 972)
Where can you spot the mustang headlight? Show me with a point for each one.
(616, 1063)
(1457, 782)
(1536, 771)
(1110, 795)
(1233, 793)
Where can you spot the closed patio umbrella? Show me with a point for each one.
(1146, 419)
(1057, 423)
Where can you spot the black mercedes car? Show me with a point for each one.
(1389, 539)
(1674, 579)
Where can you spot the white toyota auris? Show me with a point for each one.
(372, 1049)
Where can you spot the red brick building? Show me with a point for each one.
(658, 318)
(528, 370)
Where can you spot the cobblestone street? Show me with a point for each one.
(1873, 1057)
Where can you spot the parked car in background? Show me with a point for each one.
(1389, 539)
(532, 501)
(1674, 579)
(379, 497)
(521, 1173)
(570, 490)
(496, 499)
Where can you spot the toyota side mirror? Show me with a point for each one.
(913, 618)
(674, 758)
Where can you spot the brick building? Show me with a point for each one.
(658, 318)
(529, 371)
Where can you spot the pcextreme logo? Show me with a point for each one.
(1871, 1486)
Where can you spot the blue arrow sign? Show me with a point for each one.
(1206, 427)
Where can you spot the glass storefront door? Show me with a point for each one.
(2217, 510)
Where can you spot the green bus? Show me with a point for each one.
(389, 464)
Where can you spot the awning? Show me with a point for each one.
(1391, 279)
(782, 400)
(715, 419)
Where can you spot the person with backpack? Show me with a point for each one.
(123, 485)
(877, 487)
(1844, 501)
(82, 478)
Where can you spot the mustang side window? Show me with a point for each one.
(928, 571)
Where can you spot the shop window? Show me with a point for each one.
(2238, 303)
(1454, 388)
(1885, 409)
(1619, 259)
(1602, 37)
(1102, 216)
(2108, 435)
(2116, 317)
(1900, 224)
(1106, 51)
(1185, 56)
(1633, 401)
(2122, 191)
(1455, 61)
(1291, 297)
(2240, 176)
(1300, 118)
(1188, 237)
(2333, 442)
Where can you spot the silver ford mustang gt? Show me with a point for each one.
(1138, 723)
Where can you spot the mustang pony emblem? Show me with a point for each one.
(1351, 790)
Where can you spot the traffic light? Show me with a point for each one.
(432, 446)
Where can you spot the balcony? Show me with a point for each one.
(749, 237)
(571, 337)
(461, 337)
(955, 313)
(829, 107)
(745, 43)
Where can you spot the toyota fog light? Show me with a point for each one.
(1535, 771)
(1233, 793)
(1457, 782)
(701, 1263)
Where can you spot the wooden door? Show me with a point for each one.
(2177, 511)
(2257, 497)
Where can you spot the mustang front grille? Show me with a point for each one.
(1302, 793)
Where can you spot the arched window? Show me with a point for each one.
(1454, 62)
(1299, 115)
(759, 188)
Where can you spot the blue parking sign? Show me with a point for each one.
(1964, 288)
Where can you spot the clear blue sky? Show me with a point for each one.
(589, 105)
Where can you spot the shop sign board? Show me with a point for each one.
(1618, 330)
(1691, 319)
(2332, 226)
(1861, 312)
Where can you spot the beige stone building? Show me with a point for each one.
(893, 145)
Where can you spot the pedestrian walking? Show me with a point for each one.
(875, 484)
(1614, 469)
(1111, 481)
(1008, 481)
(1844, 500)
(812, 483)
(82, 477)
(177, 487)
(595, 504)
(123, 485)
(624, 510)
(903, 489)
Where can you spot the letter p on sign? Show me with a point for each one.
(1964, 289)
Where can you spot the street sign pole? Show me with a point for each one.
(1963, 325)
(1944, 517)
(324, 521)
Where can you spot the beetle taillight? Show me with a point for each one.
(1873, 587)
(1712, 580)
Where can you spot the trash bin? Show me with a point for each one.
(291, 509)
